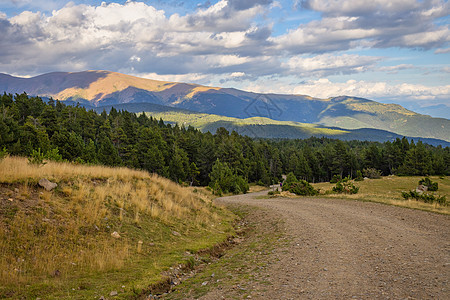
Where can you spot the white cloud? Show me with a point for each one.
(230, 41)
(442, 51)
(379, 23)
(237, 74)
(395, 69)
(352, 7)
(324, 88)
(376, 90)
(187, 78)
(327, 64)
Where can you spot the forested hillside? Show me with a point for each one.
(29, 126)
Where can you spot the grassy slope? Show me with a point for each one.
(354, 113)
(267, 128)
(58, 244)
(388, 190)
(202, 121)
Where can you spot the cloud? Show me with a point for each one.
(442, 51)
(97, 36)
(229, 42)
(348, 24)
(327, 64)
(324, 88)
(395, 69)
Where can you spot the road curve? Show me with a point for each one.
(341, 249)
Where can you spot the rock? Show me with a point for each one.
(176, 233)
(204, 283)
(113, 293)
(46, 184)
(422, 188)
(16, 190)
(115, 235)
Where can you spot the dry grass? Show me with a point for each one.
(388, 190)
(47, 236)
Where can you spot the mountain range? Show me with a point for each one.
(267, 115)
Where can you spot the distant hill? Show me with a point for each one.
(267, 128)
(103, 88)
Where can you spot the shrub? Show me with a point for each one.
(303, 188)
(359, 176)
(53, 155)
(37, 158)
(224, 180)
(432, 186)
(372, 173)
(290, 179)
(3, 153)
(345, 186)
(427, 198)
(335, 178)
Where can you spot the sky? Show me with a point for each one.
(392, 51)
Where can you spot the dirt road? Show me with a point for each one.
(339, 249)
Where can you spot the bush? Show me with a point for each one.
(3, 153)
(372, 173)
(345, 186)
(359, 176)
(303, 188)
(290, 179)
(224, 180)
(37, 158)
(432, 186)
(427, 198)
(335, 178)
(53, 155)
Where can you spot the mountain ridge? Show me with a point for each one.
(105, 88)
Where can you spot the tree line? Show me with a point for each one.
(121, 138)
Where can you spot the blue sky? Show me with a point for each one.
(393, 51)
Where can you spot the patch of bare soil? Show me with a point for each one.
(340, 249)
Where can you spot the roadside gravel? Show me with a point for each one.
(340, 249)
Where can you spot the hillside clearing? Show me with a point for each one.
(101, 230)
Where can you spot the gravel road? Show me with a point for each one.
(340, 249)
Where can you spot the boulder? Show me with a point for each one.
(46, 184)
(422, 188)
(115, 235)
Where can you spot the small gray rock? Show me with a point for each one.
(46, 184)
(176, 233)
(113, 293)
(422, 188)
